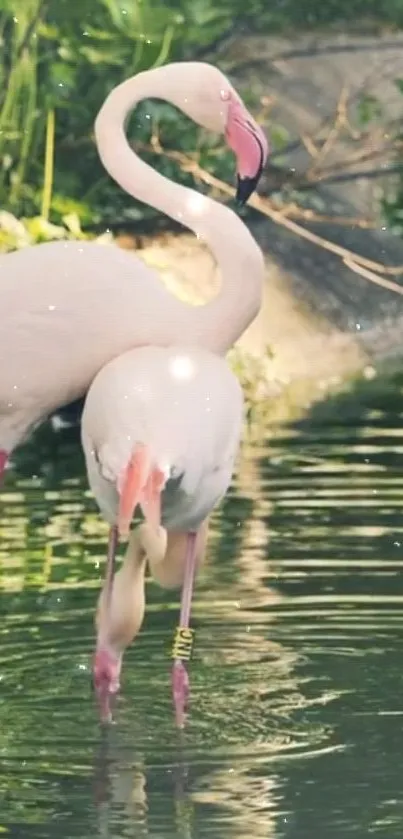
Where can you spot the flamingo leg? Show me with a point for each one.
(184, 635)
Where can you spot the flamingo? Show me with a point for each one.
(118, 625)
(161, 429)
(68, 308)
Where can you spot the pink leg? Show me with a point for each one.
(3, 461)
(184, 635)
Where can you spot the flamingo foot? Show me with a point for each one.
(3, 461)
(180, 691)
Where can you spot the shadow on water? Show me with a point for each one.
(295, 724)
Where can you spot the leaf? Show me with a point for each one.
(72, 223)
(99, 34)
(44, 231)
(62, 75)
(101, 56)
(48, 31)
(368, 109)
(203, 12)
(279, 136)
(69, 208)
(121, 13)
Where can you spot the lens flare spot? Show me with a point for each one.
(182, 368)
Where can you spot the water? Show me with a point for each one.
(296, 719)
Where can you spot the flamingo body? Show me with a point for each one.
(60, 329)
(186, 406)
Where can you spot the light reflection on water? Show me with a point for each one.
(296, 680)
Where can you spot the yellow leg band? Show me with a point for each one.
(183, 643)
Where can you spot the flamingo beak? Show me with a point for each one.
(251, 160)
(249, 143)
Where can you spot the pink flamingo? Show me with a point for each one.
(160, 429)
(70, 307)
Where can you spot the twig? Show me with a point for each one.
(373, 278)
(294, 211)
(264, 206)
(310, 146)
(190, 165)
(343, 177)
(339, 122)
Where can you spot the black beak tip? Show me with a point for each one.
(244, 190)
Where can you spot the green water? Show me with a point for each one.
(295, 727)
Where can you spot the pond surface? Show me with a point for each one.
(295, 727)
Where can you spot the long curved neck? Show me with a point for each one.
(221, 321)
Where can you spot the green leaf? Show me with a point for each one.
(101, 56)
(72, 223)
(48, 31)
(279, 136)
(43, 231)
(99, 34)
(368, 109)
(68, 207)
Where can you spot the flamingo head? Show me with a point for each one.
(204, 93)
(248, 142)
(106, 674)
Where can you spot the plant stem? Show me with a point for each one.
(49, 164)
(165, 47)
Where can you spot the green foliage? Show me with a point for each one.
(60, 58)
(369, 109)
(252, 372)
(19, 233)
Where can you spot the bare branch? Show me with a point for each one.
(367, 268)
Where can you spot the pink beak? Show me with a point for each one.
(249, 143)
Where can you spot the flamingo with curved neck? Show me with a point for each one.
(68, 308)
(203, 93)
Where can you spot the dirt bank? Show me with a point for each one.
(308, 355)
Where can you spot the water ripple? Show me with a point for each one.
(296, 677)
